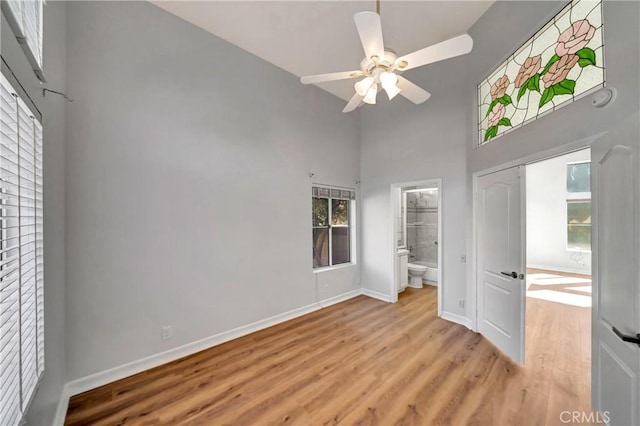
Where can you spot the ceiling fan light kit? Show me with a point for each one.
(392, 91)
(370, 97)
(389, 81)
(381, 68)
(363, 85)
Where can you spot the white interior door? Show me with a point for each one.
(500, 260)
(616, 280)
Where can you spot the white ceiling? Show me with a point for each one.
(315, 37)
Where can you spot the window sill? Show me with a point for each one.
(333, 268)
(569, 250)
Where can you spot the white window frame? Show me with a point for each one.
(25, 17)
(351, 226)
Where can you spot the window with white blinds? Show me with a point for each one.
(25, 17)
(21, 256)
(332, 214)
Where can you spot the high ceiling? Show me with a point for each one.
(314, 37)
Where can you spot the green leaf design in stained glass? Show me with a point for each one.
(587, 57)
(565, 87)
(505, 100)
(534, 83)
(522, 91)
(547, 96)
(562, 62)
(555, 58)
(491, 132)
(504, 122)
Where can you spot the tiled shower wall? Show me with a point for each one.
(422, 225)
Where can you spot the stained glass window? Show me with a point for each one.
(559, 64)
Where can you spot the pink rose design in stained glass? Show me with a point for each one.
(496, 115)
(574, 38)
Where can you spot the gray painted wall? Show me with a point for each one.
(547, 215)
(403, 142)
(44, 405)
(188, 197)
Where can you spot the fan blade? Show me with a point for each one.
(370, 31)
(414, 93)
(353, 103)
(438, 52)
(321, 78)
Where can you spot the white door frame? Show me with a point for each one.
(393, 285)
(539, 156)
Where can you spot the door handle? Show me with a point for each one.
(626, 337)
(513, 274)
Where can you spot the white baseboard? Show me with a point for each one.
(458, 319)
(63, 405)
(340, 298)
(107, 376)
(376, 295)
(93, 381)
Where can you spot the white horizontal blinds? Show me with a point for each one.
(27, 179)
(341, 194)
(27, 14)
(21, 274)
(17, 7)
(10, 386)
(32, 24)
(39, 243)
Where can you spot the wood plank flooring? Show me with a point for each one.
(559, 343)
(362, 361)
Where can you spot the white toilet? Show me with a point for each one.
(416, 272)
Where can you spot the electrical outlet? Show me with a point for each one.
(461, 303)
(167, 332)
(463, 258)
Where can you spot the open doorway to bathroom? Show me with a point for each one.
(418, 236)
(558, 296)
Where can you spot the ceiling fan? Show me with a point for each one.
(381, 68)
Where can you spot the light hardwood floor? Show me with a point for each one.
(559, 346)
(362, 361)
